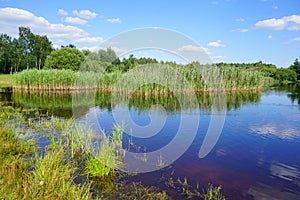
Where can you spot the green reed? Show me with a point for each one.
(164, 79)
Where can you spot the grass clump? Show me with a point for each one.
(25, 176)
(109, 157)
(53, 178)
(189, 191)
(213, 193)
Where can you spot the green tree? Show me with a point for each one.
(41, 48)
(17, 55)
(65, 58)
(5, 52)
(296, 67)
(26, 42)
(284, 74)
(107, 56)
(93, 63)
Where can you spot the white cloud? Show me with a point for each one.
(291, 22)
(240, 19)
(297, 39)
(270, 37)
(75, 20)
(86, 14)
(114, 20)
(218, 57)
(89, 40)
(12, 18)
(117, 50)
(62, 12)
(191, 48)
(216, 44)
(244, 30)
(274, 7)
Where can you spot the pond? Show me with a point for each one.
(256, 155)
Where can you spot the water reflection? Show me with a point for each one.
(294, 92)
(285, 172)
(282, 131)
(263, 191)
(284, 189)
(60, 104)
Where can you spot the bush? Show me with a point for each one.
(65, 58)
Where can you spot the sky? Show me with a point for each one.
(227, 30)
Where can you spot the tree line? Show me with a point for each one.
(31, 50)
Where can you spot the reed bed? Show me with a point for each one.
(150, 79)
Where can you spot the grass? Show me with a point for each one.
(6, 80)
(188, 191)
(109, 157)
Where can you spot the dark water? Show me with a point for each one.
(257, 155)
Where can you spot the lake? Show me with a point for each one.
(256, 155)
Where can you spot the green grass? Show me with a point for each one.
(6, 80)
(109, 157)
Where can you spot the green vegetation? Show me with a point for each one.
(6, 80)
(285, 75)
(65, 58)
(27, 51)
(66, 79)
(296, 68)
(189, 192)
(54, 80)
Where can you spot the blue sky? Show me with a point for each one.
(229, 30)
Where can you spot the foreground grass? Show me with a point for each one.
(26, 175)
(66, 168)
(6, 80)
(29, 172)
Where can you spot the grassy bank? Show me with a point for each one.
(66, 168)
(6, 80)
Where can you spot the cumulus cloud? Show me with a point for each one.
(270, 37)
(216, 44)
(75, 20)
(62, 12)
(12, 18)
(114, 20)
(86, 14)
(291, 22)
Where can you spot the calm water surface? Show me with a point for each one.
(256, 157)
